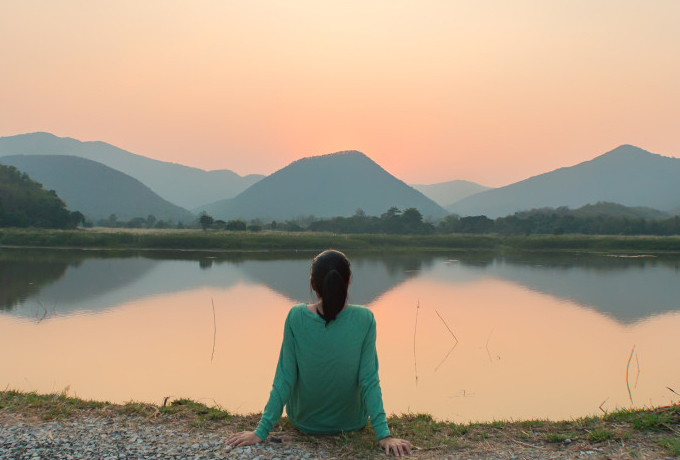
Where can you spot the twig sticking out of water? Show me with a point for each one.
(603, 405)
(212, 356)
(452, 335)
(415, 328)
(673, 391)
(447, 326)
(630, 395)
(447, 355)
(487, 346)
(637, 376)
(44, 315)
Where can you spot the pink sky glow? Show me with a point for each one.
(488, 91)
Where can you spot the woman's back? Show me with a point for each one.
(327, 375)
(334, 364)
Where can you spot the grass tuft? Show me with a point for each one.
(671, 444)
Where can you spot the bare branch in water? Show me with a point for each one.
(630, 395)
(212, 356)
(43, 317)
(445, 357)
(447, 326)
(45, 314)
(603, 405)
(637, 376)
(415, 328)
(673, 391)
(487, 346)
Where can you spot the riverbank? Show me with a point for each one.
(58, 426)
(198, 240)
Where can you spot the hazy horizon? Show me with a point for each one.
(491, 92)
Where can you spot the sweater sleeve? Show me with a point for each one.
(369, 383)
(284, 380)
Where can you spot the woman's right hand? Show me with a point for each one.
(398, 446)
(243, 438)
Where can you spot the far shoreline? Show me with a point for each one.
(276, 241)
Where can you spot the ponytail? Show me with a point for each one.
(333, 295)
(331, 274)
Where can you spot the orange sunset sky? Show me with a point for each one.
(487, 91)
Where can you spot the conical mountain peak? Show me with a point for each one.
(330, 185)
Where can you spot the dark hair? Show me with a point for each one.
(330, 279)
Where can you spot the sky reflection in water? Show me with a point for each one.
(537, 337)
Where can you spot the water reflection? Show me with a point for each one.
(23, 275)
(95, 281)
(36, 283)
(626, 288)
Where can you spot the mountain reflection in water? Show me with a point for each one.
(44, 283)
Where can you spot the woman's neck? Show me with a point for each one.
(315, 307)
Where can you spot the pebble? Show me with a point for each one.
(99, 438)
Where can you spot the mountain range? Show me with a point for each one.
(181, 185)
(330, 185)
(626, 175)
(95, 189)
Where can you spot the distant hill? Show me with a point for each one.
(626, 175)
(447, 193)
(601, 209)
(618, 210)
(182, 185)
(324, 186)
(95, 189)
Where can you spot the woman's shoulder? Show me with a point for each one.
(299, 309)
(360, 311)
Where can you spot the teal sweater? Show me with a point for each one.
(327, 376)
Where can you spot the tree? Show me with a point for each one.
(205, 220)
(236, 226)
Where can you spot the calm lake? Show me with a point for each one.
(464, 337)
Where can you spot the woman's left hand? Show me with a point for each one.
(243, 438)
(398, 446)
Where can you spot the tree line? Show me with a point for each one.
(410, 221)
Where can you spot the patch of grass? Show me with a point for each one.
(671, 444)
(601, 435)
(49, 406)
(202, 412)
(660, 419)
(556, 437)
(277, 240)
(533, 423)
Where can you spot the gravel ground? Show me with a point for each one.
(116, 437)
(124, 437)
